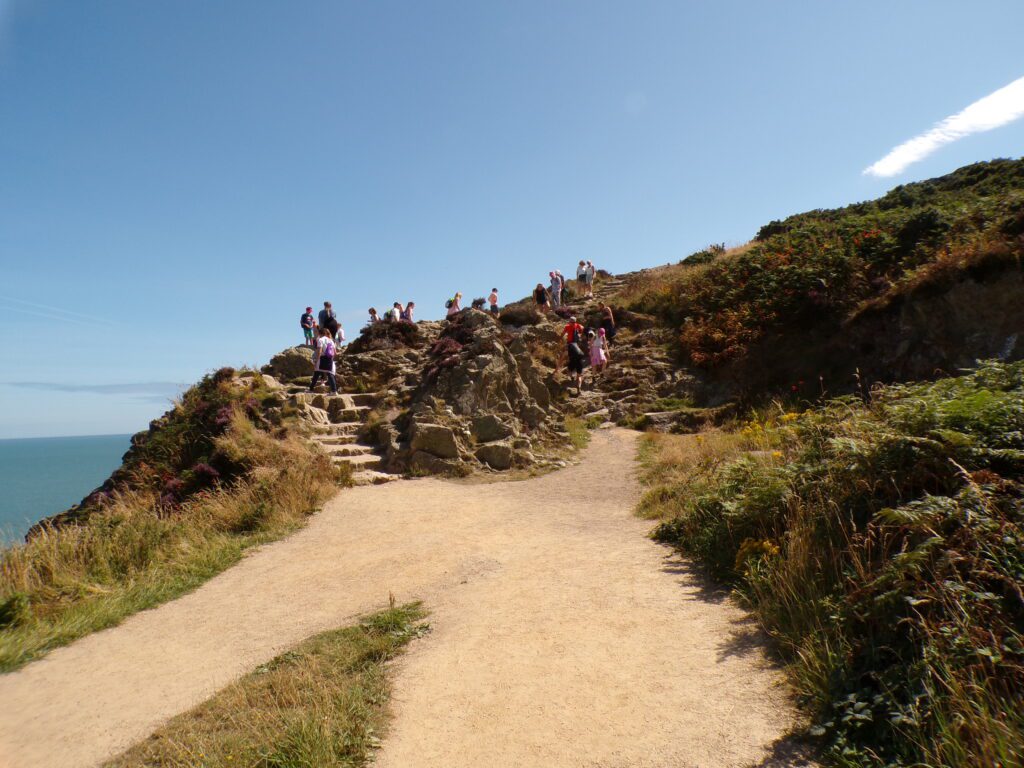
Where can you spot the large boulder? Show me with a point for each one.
(487, 428)
(421, 461)
(496, 455)
(434, 439)
(292, 363)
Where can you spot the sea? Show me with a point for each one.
(42, 476)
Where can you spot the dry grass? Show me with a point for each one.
(67, 582)
(880, 545)
(654, 290)
(321, 704)
(676, 466)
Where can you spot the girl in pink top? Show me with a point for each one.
(598, 351)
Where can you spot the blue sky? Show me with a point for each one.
(180, 178)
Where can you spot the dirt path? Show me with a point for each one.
(562, 636)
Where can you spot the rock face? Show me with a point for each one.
(291, 364)
(478, 394)
(929, 333)
(487, 427)
(434, 439)
(475, 390)
(496, 455)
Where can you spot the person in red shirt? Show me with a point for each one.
(573, 333)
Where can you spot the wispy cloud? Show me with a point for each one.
(152, 391)
(51, 312)
(997, 109)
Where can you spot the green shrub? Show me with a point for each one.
(883, 548)
(166, 521)
(817, 270)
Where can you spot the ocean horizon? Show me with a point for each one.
(41, 476)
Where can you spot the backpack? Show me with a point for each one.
(329, 350)
(448, 304)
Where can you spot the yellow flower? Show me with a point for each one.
(776, 454)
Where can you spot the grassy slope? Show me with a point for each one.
(882, 546)
(803, 278)
(323, 703)
(222, 472)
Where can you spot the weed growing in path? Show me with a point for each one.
(321, 704)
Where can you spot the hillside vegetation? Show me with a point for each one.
(222, 471)
(882, 546)
(796, 303)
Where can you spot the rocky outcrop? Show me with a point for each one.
(435, 439)
(291, 364)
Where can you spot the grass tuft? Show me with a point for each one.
(323, 704)
(154, 535)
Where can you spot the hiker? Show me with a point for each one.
(394, 314)
(564, 290)
(374, 317)
(598, 350)
(493, 301)
(540, 295)
(581, 277)
(607, 322)
(324, 362)
(556, 290)
(325, 314)
(406, 314)
(573, 333)
(591, 274)
(453, 306)
(307, 322)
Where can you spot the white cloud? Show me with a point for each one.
(998, 108)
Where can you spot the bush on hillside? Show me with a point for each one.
(387, 335)
(178, 457)
(882, 545)
(220, 472)
(520, 314)
(818, 269)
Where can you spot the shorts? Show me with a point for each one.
(575, 361)
(494, 309)
(308, 333)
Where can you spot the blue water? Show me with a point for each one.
(42, 476)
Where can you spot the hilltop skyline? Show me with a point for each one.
(205, 172)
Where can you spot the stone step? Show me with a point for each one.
(368, 399)
(373, 477)
(357, 413)
(331, 439)
(352, 449)
(338, 428)
(359, 463)
(330, 401)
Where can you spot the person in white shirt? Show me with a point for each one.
(324, 362)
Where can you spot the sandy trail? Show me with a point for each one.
(562, 636)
